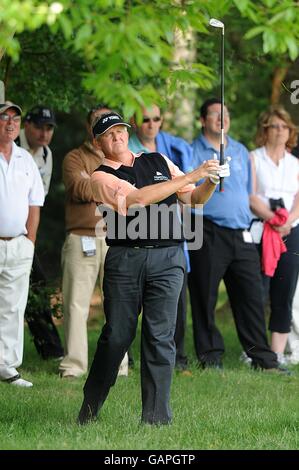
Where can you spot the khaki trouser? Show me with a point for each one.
(15, 264)
(80, 274)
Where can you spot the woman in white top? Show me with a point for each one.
(275, 176)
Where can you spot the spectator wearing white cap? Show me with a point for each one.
(21, 195)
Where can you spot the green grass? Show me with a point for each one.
(236, 409)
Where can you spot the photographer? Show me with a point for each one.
(275, 200)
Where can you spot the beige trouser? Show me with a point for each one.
(15, 265)
(80, 274)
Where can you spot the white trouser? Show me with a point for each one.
(293, 338)
(80, 274)
(15, 265)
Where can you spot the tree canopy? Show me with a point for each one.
(121, 52)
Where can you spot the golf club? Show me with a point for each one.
(218, 24)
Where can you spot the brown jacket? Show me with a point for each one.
(79, 206)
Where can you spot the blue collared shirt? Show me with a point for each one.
(229, 208)
(136, 146)
(178, 150)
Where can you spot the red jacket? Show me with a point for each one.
(272, 244)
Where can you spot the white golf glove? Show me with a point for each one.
(222, 172)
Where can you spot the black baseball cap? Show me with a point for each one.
(41, 115)
(105, 122)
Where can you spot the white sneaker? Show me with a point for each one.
(16, 380)
(245, 359)
(294, 358)
(124, 367)
(282, 359)
(22, 383)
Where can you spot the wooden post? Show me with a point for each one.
(2, 92)
(2, 86)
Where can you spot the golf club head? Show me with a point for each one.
(216, 23)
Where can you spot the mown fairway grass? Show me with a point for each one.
(236, 409)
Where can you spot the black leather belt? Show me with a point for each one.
(148, 246)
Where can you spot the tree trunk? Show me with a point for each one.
(181, 111)
(278, 77)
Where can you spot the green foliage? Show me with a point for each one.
(19, 15)
(191, 76)
(248, 72)
(44, 298)
(277, 22)
(47, 73)
(122, 52)
(131, 51)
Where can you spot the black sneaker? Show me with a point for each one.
(276, 370)
(55, 355)
(279, 370)
(217, 365)
(181, 365)
(87, 414)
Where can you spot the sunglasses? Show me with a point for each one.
(154, 119)
(216, 114)
(7, 117)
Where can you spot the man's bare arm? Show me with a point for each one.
(32, 222)
(157, 192)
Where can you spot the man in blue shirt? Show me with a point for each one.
(228, 253)
(148, 137)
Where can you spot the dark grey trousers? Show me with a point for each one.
(138, 279)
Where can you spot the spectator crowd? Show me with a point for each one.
(131, 189)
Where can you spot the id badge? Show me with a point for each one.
(247, 236)
(89, 247)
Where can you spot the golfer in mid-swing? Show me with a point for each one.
(141, 272)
